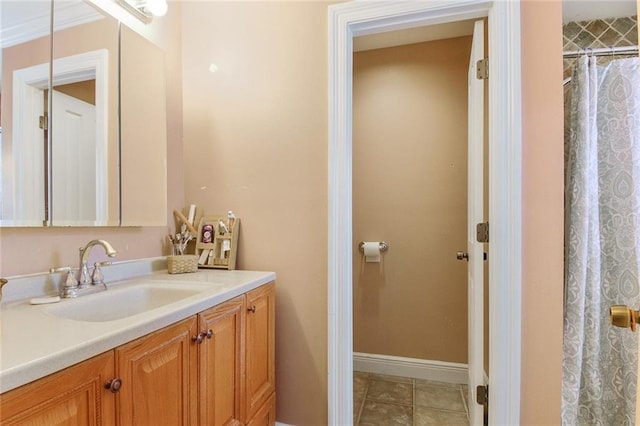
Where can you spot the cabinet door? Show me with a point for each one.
(266, 415)
(157, 372)
(260, 347)
(74, 396)
(221, 363)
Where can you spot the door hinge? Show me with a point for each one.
(482, 232)
(482, 69)
(482, 394)
(43, 122)
(482, 398)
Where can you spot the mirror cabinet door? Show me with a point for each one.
(83, 176)
(71, 148)
(143, 131)
(25, 42)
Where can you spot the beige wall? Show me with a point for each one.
(255, 135)
(83, 90)
(256, 142)
(543, 226)
(410, 189)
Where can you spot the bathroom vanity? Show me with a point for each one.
(204, 358)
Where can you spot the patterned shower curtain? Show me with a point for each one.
(602, 208)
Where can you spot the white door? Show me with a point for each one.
(73, 159)
(475, 215)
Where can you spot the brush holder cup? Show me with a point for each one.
(182, 263)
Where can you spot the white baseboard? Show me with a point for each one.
(449, 372)
(281, 424)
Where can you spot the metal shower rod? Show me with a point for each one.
(622, 50)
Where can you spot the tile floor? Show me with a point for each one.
(390, 400)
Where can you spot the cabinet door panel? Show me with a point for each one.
(221, 364)
(266, 415)
(157, 372)
(74, 396)
(260, 349)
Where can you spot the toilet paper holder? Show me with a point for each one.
(384, 246)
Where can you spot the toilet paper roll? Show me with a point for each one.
(371, 251)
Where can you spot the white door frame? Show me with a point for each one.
(347, 20)
(26, 143)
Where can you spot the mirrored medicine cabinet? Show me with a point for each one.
(82, 106)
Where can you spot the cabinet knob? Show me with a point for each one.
(199, 338)
(113, 385)
(252, 309)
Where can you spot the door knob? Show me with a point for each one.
(623, 316)
(462, 255)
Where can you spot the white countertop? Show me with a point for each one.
(35, 343)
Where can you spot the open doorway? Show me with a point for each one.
(410, 163)
(345, 21)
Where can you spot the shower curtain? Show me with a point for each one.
(602, 208)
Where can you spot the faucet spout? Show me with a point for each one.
(84, 257)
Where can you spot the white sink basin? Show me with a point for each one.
(117, 303)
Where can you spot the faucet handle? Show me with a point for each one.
(3, 281)
(70, 280)
(70, 286)
(97, 277)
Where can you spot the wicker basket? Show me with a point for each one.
(182, 263)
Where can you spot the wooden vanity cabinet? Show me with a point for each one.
(215, 368)
(74, 396)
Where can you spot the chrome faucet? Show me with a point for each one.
(84, 277)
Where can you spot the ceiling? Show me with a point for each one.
(584, 10)
(17, 15)
(572, 10)
(413, 35)
(21, 21)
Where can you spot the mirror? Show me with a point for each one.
(59, 138)
(83, 176)
(143, 130)
(83, 168)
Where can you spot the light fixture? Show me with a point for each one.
(144, 10)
